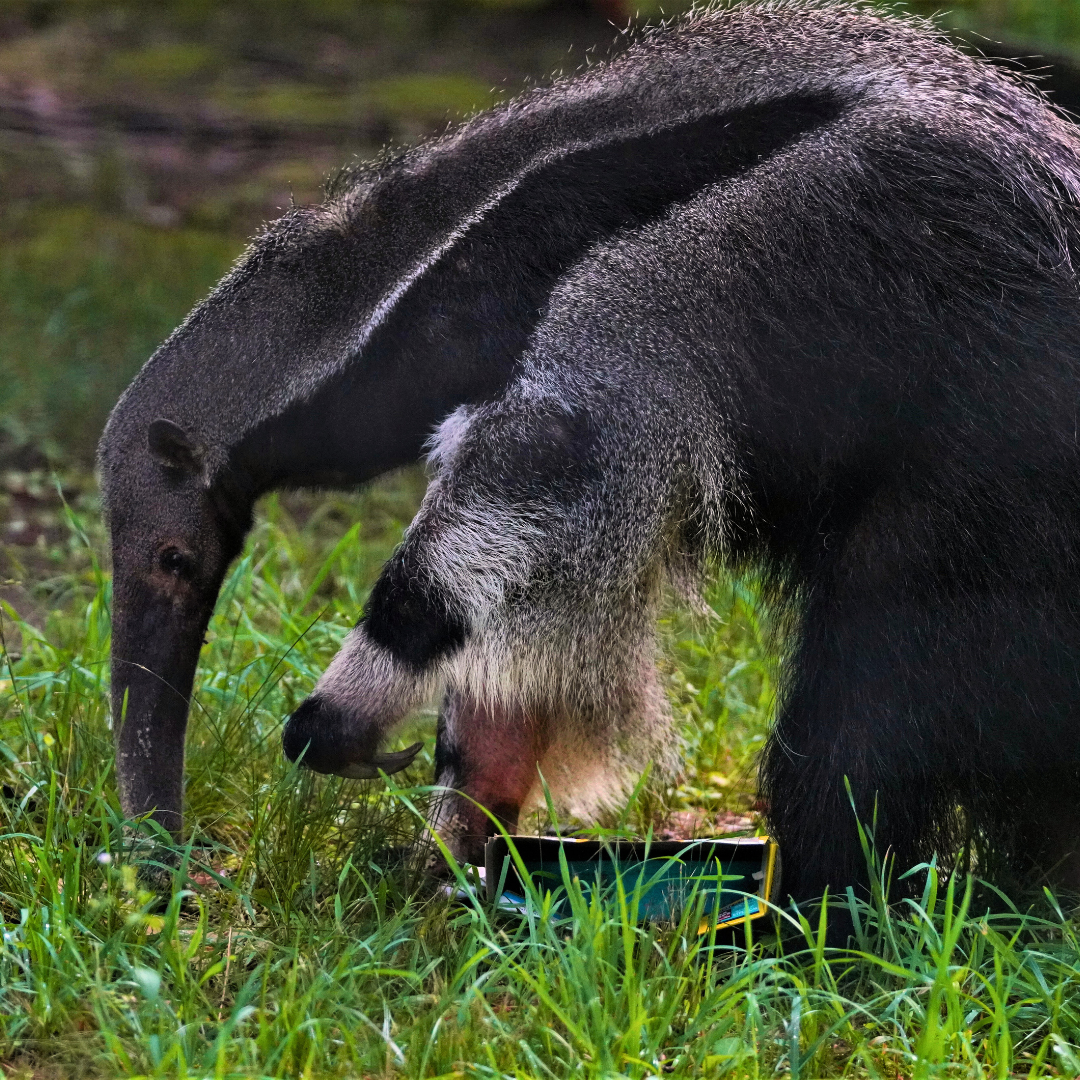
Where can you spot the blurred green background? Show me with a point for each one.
(141, 143)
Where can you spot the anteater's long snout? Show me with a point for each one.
(155, 650)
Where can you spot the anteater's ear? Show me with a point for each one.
(171, 446)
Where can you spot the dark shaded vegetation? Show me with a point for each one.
(141, 144)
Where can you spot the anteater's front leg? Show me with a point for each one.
(528, 584)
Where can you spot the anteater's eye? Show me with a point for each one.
(174, 561)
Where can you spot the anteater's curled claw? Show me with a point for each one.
(380, 763)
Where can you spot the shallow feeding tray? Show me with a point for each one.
(737, 876)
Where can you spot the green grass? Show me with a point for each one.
(291, 946)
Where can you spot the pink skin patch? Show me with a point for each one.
(491, 755)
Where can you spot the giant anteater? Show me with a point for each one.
(789, 286)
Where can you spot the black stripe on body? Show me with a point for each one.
(456, 335)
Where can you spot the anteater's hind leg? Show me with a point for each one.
(486, 755)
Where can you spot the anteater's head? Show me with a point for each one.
(174, 532)
(215, 417)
